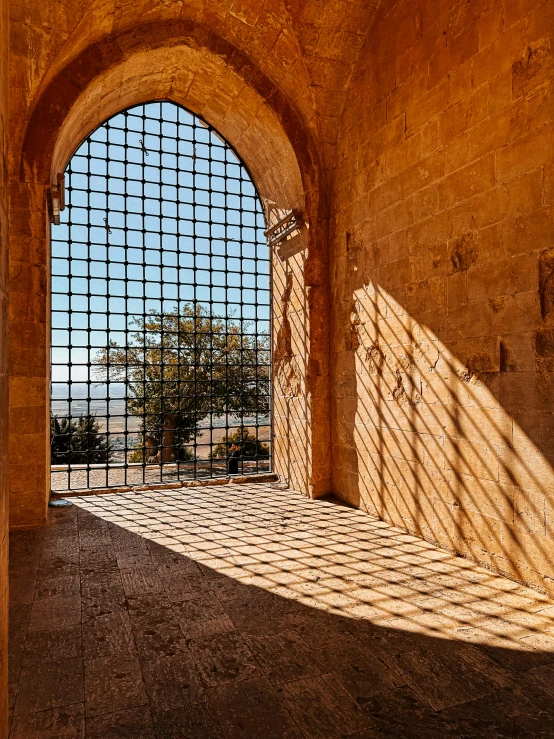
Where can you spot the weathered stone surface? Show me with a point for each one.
(465, 294)
(413, 318)
(321, 621)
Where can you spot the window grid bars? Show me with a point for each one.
(219, 239)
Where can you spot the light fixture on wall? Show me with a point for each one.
(284, 227)
(57, 199)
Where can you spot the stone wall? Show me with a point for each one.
(442, 265)
(3, 366)
(416, 138)
(239, 65)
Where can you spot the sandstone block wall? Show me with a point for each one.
(300, 364)
(243, 67)
(416, 136)
(3, 366)
(442, 264)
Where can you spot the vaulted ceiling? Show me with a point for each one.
(306, 48)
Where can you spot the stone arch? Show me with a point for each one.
(167, 55)
(216, 82)
(259, 142)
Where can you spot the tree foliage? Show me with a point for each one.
(179, 367)
(246, 442)
(78, 441)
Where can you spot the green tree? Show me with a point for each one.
(78, 441)
(180, 367)
(247, 443)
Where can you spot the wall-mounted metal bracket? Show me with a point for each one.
(285, 226)
(56, 201)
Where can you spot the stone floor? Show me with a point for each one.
(254, 612)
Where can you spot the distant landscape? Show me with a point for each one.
(123, 432)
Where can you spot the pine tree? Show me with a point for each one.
(78, 441)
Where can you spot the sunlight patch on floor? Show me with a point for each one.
(337, 559)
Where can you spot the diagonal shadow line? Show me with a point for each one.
(459, 480)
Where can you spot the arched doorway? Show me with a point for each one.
(161, 308)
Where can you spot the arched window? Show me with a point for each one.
(161, 300)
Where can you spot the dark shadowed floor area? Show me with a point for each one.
(251, 611)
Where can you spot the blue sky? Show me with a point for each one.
(166, 222)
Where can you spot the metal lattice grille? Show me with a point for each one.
(161, 358)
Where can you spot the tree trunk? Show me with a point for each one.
(168, 437)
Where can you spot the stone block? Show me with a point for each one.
(528, 233)
(533, 68)
(459, 49)
(427, 107)
(499, 56)
(528, 152)
(502, 277)
(464, 115)
(468, 181)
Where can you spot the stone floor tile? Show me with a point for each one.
(167, 560)
(134, 559)
(55, 613)
(107, 634)
(60, 516)
(155, 627)
(140, 580)
(223, 657)
(57, 566)
(101, 602)
(58, 586)
(399, 714)
(134, 723)
(436, 683)
(284, 657)
(19, 615)
(98, 556)
(180, 585)
(172, 682)
(543, 677)
(49, 685)
(533, 715)
(13, 687)
(251, 708)
(67, 722)
(493, 714)
(97, 572)
(22, 589)
(26, 543)
(113, 684)
(62, 549)
(322, 709)
(52, 645)
(365, 681)
(150, 608)
(93, 537)
(103, 579)
(339, 650)
(202, 615)
(192, 722)
(122, 536)
(251, 616)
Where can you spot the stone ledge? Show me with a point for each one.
(240, 480)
